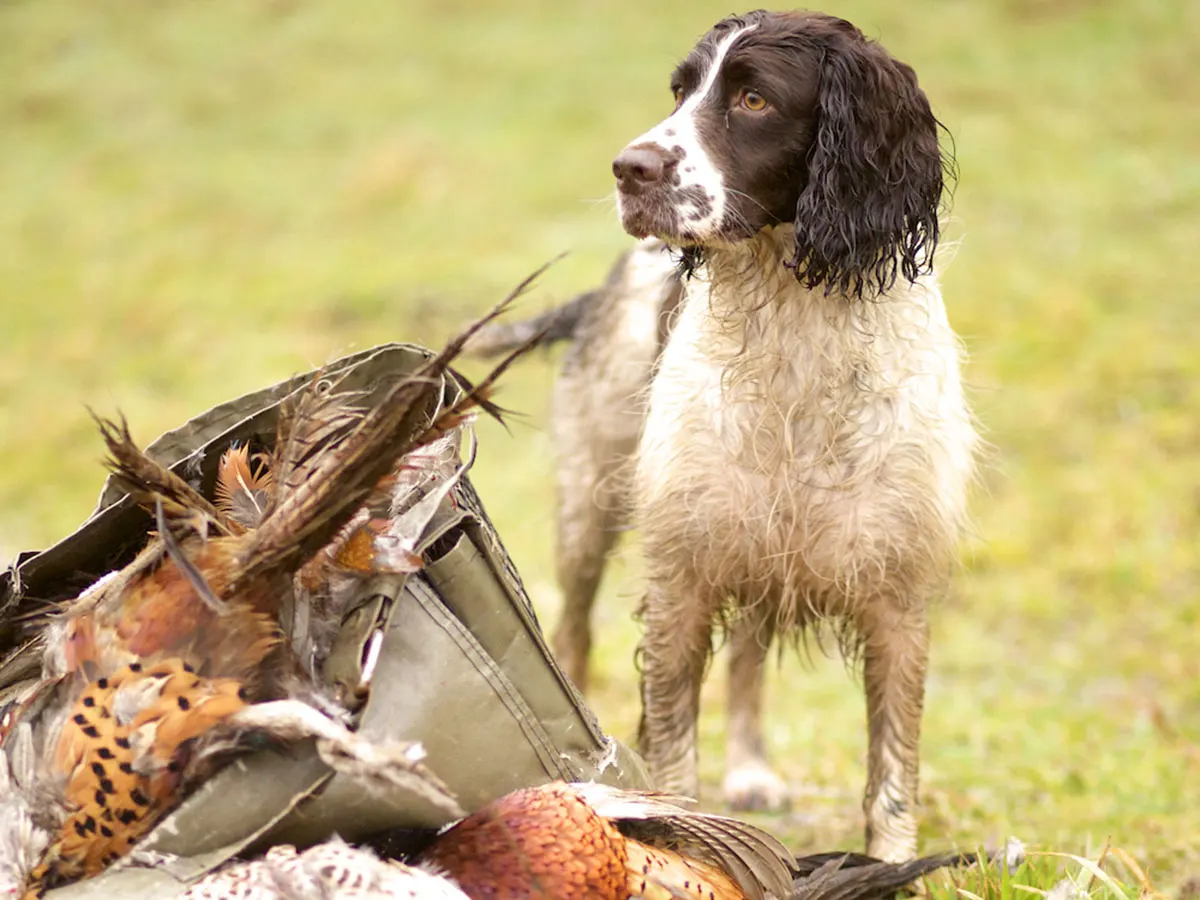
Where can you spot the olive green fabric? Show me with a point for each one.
(463, 667)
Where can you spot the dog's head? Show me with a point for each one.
(793, 117)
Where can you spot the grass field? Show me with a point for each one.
(199, 198)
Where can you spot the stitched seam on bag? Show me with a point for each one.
(540, 742)
(513, 586)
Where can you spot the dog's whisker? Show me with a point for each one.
(608, 200)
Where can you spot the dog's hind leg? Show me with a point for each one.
(595, 435)
(589, 518)
(895, 656)
(750, 783)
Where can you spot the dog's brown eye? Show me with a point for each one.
(678, 95)
(753, 102)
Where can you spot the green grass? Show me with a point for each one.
(199, 198)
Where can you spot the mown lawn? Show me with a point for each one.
(198, 198)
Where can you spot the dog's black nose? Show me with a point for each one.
(636, 167)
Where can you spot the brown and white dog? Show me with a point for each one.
(804, 450)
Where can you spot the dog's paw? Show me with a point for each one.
(893, 851)
(894, 848)
(891, 825)
(753, 787)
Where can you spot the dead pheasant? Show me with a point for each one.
(575, 841)
(151, 659)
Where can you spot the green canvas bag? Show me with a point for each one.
(460, 665)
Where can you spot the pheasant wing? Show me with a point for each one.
(852, 876)
(759, 863)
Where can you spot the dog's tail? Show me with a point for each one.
(557, 324)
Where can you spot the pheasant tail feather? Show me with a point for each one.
(330, 469)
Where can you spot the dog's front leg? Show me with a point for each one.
(750, 784)
(674, 652)
(895, 656)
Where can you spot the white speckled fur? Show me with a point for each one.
(696, 168)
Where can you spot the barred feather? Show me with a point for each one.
(148, 481)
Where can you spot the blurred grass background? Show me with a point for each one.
(200, 198)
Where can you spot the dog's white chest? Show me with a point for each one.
(806, 413)
(685, 396)
(761, 394)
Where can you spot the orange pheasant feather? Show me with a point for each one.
(243, 492)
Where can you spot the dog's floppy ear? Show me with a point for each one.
(868, 211)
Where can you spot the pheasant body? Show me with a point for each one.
(544, 841)
(574, 841)
(157, 667)
(123, 746)
(161, 616)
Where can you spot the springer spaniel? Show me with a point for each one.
(807, 447)
(804, 452)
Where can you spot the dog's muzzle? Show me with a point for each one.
(647, 181)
